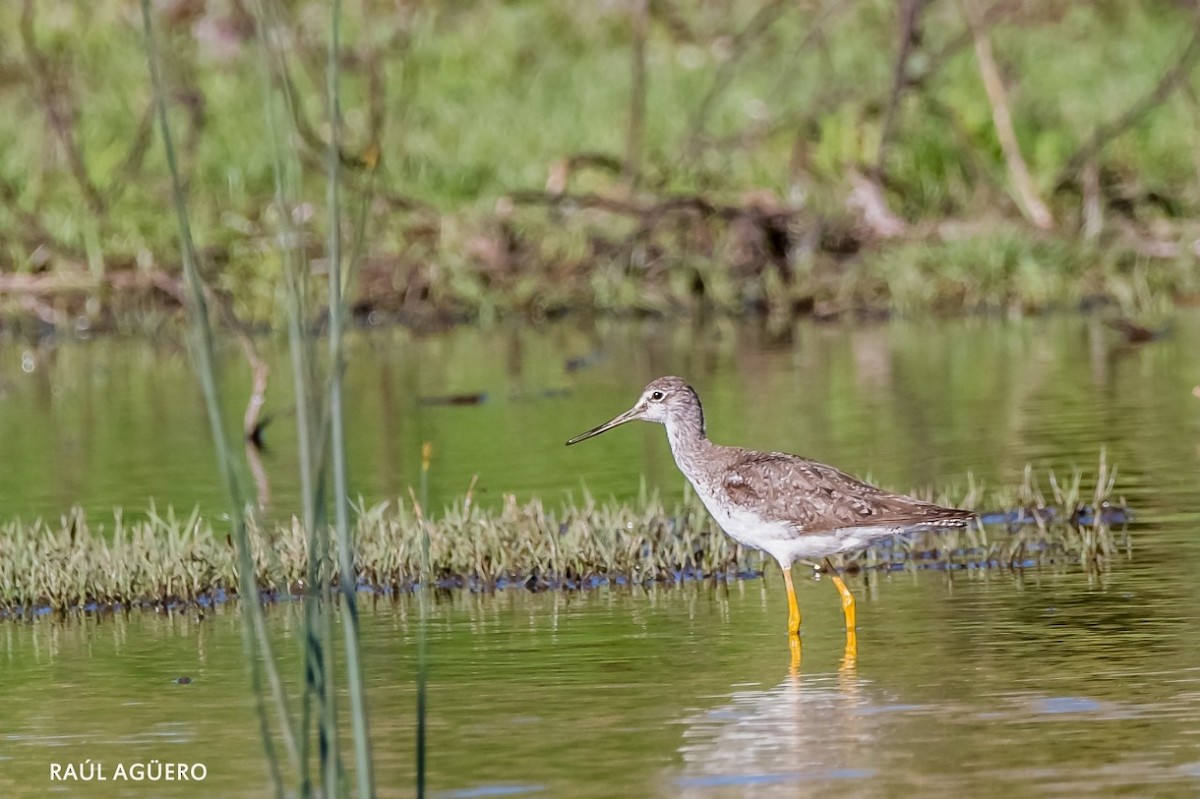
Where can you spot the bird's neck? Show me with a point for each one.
(689, 444)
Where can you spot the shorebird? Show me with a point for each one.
(792, 508)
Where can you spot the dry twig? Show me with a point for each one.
(58, 108)
(637, 93)
(1026, 195)
(910, 12)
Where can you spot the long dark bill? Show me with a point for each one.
(628, 416)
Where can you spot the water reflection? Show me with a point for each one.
(974, 685)
(102, 423)
(994, 682)
(809, 730)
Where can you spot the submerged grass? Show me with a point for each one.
(167, 560)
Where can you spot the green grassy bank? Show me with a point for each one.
(543, 158)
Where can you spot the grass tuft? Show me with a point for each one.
(167, 561)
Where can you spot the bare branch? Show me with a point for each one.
(1172, 79)
(1093, 205)
(866, 197)
(761, 21)
(910, 11)
(637, 93)
(1025, 194)
(58, 108)
(562, 169)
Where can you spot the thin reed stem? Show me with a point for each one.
(202, 353)
(423, 621)
(346, 572)
(296, 278)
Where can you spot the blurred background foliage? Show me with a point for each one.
(665, 156)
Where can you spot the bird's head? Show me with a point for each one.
(662, 401)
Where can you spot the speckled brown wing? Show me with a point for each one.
(816, 498)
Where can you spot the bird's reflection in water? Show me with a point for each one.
(809, 732)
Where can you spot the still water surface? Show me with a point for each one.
(115, 422)
(1035, 683)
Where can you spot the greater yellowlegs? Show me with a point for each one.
(790, 507)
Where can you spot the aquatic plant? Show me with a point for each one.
(166, 560)
(261, 662)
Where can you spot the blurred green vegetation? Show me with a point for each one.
(495, 137)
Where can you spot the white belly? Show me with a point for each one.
(781, 541)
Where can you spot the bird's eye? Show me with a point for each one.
(656, 396)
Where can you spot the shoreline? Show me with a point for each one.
(1007, 272)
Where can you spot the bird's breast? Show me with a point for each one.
(742, 525)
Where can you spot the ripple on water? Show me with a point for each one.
(816, 775)
(484, 791)
(1055, 705)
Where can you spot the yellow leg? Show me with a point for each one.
(847, 597)
(793, 643)
(847, 604)
(850, 656)
(793, 607)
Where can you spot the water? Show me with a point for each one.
(1041, 683)
(118, 422)
(1000, 685)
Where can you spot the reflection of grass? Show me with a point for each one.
(167, 559)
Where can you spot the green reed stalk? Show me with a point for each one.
(295, 264)
(346, 574)
(331, 758)
(296, 272)
(423, 620)
(202, 353)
